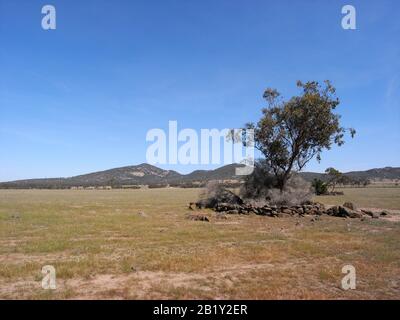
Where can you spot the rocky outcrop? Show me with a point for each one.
(344, 212)
(350, 205)
(271, 210)
(232, 204)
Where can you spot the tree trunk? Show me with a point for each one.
(282, 181)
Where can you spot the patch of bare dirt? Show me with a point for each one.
(392, 218)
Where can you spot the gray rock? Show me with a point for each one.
(221, 216)
(197, 217)
(346, 212)
(333, 211)
(368, 213)
(350, 205)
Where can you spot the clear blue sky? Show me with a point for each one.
(81, 98)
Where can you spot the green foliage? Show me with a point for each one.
(291, 133)
(334, 177)
(319, 187)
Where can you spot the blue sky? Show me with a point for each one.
(81, 98)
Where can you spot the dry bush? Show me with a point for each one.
(261, 187)
(297, 191)
(215, 193)
(257, 184)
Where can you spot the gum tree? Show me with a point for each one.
(291, 133)
(334, 177)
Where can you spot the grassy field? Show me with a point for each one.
(102, 247)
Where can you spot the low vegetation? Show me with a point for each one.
(291, 133)
(129, 244)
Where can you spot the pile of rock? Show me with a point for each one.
(271, 210)
(347, 210)
(344, 212)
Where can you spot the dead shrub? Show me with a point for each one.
(261, 187)
(215, 193)
(296, 192)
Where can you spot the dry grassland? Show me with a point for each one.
(102, 247)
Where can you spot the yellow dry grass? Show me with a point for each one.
(102, 248)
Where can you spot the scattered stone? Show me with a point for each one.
(221, 216)
(368, 212)
(371, 214)
(333, 211)
(346, 212)
(229, 203)
(197, 217)
(350, 205)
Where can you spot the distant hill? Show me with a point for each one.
(145, 174)
(387, 173)
(377, 174)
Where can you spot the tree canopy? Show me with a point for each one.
(291, 133)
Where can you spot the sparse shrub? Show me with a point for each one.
(257, 184)
(159, 185)
(215, 193)
(297, 191)
(319, 187)
(262, 187)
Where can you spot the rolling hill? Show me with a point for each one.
(145, 174)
